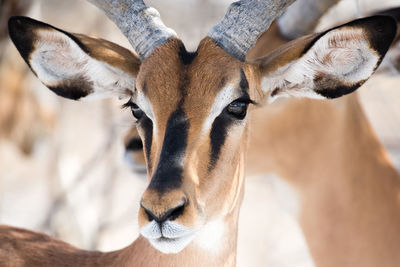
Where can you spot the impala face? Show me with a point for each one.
(191, 116)
(191, 108)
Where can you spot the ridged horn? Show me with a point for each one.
(141, 24)
(244, 22)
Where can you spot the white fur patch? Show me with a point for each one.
(172, 237)
(210, 236)
(58, 58)
(344, 54)
(145, 105)
(168, 246)
(223, 98)
(151, 230)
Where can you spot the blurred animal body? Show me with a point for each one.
(22, 120)
(191, 111)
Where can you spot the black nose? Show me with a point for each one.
(170, 214)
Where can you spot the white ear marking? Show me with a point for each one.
(59, 61)
(339, 59)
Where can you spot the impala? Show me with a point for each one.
(342, 201)
(191, 113)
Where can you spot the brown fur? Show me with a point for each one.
(215, 195)
(169, 83)
(196, 84)
(348, 188)
(111, 53)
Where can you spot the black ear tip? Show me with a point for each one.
(16, 24)
(13, 23)
(21, 31)
(24, 24)
(387, 25)
(383, 31)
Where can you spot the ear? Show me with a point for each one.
(74, 66)
(328, 64)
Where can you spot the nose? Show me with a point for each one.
(170, 214)
(166, 207)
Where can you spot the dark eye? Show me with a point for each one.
(238, 109)
(136, 111)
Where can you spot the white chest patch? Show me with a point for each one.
(210, 236)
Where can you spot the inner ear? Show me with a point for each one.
(74, 66)
(330, 64)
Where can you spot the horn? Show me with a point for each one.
(244, 22)
(141, 24)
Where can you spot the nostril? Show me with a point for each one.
(150, 215)
(174, 213)
(170, 214)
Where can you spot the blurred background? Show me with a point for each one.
(62, 168)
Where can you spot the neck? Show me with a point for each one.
(27, 248)
(347, 187)
(215, 245)
(141, 253)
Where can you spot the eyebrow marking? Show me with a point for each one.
(143, 102)
(223, 98)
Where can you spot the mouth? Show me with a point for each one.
(170, 237)
(171, 245)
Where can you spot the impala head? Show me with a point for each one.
(191, 108)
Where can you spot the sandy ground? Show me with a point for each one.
(81, 163)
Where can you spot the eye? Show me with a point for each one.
(136, 111)
(238, 108)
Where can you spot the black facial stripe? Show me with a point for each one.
(218, 134)
(147, 126)
(169, 172)
(221, 124)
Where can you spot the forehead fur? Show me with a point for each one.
(171, 77)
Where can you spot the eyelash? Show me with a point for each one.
(238, 108)
(136, 111)
(127, 104)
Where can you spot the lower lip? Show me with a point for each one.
(173, 240)
(171, 245)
